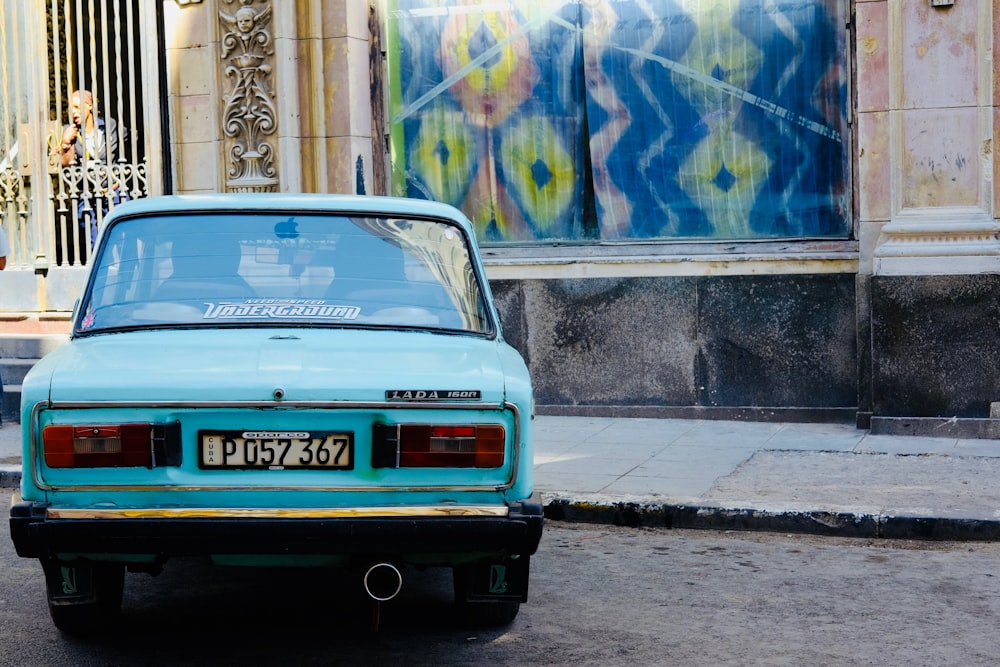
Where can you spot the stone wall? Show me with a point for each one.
(938, 342)
(759, 347)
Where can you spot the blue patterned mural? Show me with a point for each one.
(624, 119)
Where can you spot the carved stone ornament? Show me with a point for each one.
(249, 115)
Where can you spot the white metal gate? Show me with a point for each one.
(79, 105)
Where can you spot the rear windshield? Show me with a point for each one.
(283, 270)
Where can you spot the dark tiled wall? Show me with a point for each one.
(935, 344)
(699, 342)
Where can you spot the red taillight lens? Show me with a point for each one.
(426, 446)
(111, 446)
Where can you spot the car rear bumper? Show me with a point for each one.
(39, 531)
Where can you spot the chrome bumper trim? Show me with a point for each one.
(278, 513)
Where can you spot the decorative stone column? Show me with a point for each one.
(933, 136)
(928, 287)
(275, 96)
(249, 115)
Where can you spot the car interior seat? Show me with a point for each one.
(205, 266)
(365, 263)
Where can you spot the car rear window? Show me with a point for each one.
(266, 269)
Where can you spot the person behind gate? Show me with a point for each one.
(91, 138)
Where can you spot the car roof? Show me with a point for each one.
(285, 202)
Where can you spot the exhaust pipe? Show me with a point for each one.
(383, 581)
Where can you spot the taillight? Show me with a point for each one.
(428, 446)
(99, 446)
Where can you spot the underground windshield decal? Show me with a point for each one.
(283, 309)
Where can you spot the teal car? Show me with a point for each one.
(280, 380)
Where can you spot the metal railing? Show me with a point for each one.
(50, 208)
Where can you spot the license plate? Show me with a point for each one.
(277, 450)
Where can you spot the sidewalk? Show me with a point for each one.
(829, 479)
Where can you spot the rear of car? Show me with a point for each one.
(281, 380)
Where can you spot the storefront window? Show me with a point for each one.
(586, 120)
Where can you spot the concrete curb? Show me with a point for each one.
(10, 477)
(832, 524)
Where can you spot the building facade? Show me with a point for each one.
(716, 208)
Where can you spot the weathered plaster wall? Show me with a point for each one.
(938, 104)
(193, 92)
(334, 94)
